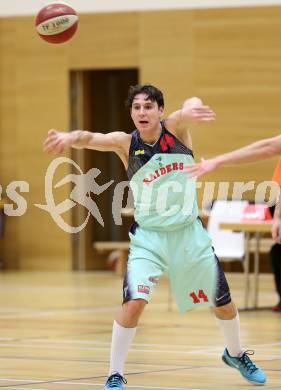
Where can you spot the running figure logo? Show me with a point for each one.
(85, 184)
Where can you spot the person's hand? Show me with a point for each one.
(202, 114)
(195, 111)
(276, 230)
(201, 168)
(57, 142)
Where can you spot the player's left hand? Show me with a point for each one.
(195, 111)
(276, 230)
(202, 114)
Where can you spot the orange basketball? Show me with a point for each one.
(56, 22)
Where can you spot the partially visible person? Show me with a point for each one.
(275, 253)
(256, 151)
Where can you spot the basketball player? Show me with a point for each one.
(167, 235)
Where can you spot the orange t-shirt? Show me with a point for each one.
(277, 173)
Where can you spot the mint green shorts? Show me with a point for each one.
(185, 255)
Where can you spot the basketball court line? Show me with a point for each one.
(92, 361)
(28, 382)
(85, 384)
(128, 374)
(161, 367)
(101, 348)
(108, 343)
(20, 388)
(100, 385)
(75, 382)
(49, 340)
(27, 314)
(50, 345)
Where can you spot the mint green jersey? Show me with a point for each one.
(164, 196)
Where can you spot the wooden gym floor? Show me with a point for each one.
(56, 331)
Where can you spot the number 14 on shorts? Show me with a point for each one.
(198, 296)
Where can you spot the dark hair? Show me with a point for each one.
(153, 93)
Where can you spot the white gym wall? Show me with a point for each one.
(31, 7)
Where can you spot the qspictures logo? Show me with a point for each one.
(86, 187)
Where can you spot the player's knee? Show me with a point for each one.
(134, 308)
(132, 311)
(225, 312)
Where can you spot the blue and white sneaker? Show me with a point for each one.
(246, 367)
(115, 382)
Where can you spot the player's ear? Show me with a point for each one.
(161, 111)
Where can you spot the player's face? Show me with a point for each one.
(145, 113)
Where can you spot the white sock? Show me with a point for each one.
(231, 332)
(121, 341)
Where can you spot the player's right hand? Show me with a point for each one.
(57, 142)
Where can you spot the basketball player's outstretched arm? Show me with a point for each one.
(254, 152)
(58, 142)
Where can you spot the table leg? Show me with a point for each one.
(170, 299)
(256, 266)
(246, 269)
(121, 265)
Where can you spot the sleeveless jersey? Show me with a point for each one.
(164, 196)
